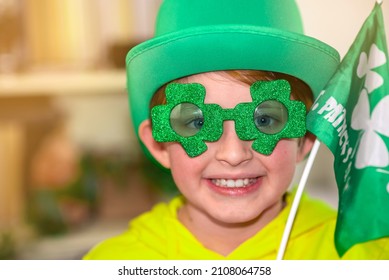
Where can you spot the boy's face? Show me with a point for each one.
(230, 182)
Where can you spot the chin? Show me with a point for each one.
(235, 219)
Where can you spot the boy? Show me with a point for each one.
(228, 83)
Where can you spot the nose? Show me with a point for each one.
(230, 149)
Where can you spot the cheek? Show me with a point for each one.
(286, 148)
(182, 166)
(285, 156)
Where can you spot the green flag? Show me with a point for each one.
(351, 116)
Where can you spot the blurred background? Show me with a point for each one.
(71, 170)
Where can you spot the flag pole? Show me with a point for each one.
(296, 200)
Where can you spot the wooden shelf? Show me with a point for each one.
(61, 83)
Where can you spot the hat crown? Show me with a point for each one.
(175, 15)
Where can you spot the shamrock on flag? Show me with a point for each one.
(372, 150)
(351, 116)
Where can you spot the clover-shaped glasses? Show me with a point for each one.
(271, 116)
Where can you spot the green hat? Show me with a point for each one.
(195, 36)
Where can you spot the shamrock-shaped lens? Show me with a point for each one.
(270, 117)
(186, 119)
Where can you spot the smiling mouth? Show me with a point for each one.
(230, 183)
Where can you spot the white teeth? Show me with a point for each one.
(229, 183)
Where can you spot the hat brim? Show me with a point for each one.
(203, 49)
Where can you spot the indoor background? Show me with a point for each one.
(71, 170)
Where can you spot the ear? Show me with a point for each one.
(305, 146)
(156, 149)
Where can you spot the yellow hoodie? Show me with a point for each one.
(159, 235)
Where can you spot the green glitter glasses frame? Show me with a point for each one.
(270, 117)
